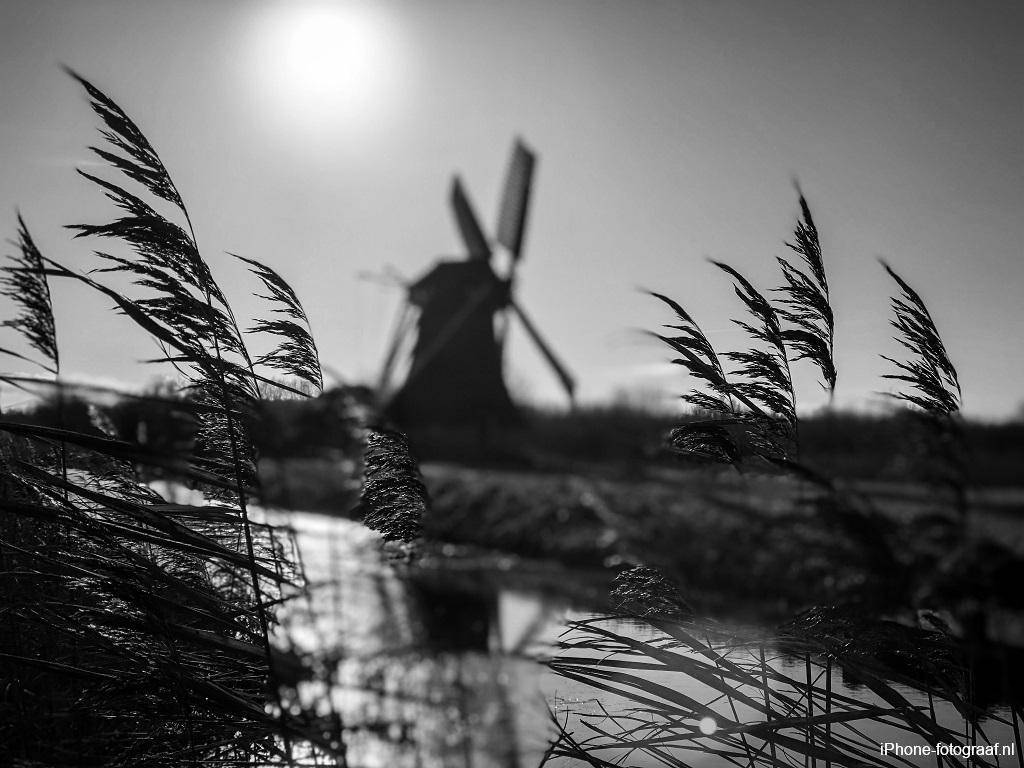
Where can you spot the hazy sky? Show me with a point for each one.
(322, 142)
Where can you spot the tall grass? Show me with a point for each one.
(933, 394)
(753, 405)
(136, 631)
(679, 689)
(682, 685)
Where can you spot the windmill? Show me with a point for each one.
(455, 372)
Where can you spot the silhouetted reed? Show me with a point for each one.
(684, 685)
(138, 631)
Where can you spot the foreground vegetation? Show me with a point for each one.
(752, 712)
(137, 631)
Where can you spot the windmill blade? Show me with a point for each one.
(398, 335)
(469, 225)
(515, 201)
(568, 382)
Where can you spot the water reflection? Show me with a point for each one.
(708, 694)
(436, 665)
(422, 670)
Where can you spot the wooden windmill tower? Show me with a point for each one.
(456, 373)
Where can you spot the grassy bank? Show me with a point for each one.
(721, 534)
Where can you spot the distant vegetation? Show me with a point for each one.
(845, 444)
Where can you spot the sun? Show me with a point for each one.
(327, 64)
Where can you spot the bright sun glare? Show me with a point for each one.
(328, 65)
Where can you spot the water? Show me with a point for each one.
(437, 665)
(424, 673)
(628, 703)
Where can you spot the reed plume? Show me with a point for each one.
(766, 382)
(806, 307)
(296, 353)
(394, 499)
(752, 406)
(707, 439)
(645, 592)
(24, 282)
(933, 394)
(934, 384)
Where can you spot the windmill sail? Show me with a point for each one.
(515, 201)
(566, 378)
(398, 334)
(469, 225)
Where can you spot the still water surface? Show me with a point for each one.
(438, 665)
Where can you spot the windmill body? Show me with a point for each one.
(455, 374)
(456, 371)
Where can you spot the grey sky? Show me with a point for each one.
(667, 133)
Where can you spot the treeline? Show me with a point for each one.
(839, 443)
(165, 421)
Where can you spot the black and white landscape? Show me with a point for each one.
(511, 384)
